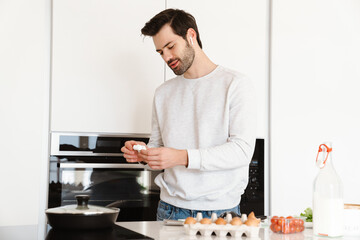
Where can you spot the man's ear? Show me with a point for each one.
(191, 36)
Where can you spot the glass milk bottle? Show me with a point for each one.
(328, 202)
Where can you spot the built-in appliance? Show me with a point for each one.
(253, 198)
(93, 164)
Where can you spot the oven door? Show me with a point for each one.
(130, 187)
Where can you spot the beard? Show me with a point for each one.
(185, 61)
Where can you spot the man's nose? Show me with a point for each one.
(167, 56)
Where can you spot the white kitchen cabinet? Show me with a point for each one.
(104, 72)
(315, 85)
(235, 34)
(24, 90)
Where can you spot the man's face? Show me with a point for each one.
(176, 51)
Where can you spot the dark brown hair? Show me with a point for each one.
(179, 20)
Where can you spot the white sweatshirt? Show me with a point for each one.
(214, 119)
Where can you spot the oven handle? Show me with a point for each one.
(104, 165)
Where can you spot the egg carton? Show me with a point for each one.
(221, 230)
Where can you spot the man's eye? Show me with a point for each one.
(170, 47)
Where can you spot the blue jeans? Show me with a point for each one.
(167, 211)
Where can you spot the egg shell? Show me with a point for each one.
(220, 221)
(190, 220)
(236, 221)
(205, 221)
(251, 215)
(252, 222)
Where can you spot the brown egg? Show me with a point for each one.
(190, 220)
(205, 221)
(251, 215)
(221, 221)
(236, 221)
(253, 222)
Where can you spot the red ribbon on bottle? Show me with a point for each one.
(328, 150)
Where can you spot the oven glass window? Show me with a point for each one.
(106, 186)
(131, 190)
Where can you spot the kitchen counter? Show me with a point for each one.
(28, 232)
(159, 231)
(155, 230)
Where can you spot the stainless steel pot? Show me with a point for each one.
(82, 215)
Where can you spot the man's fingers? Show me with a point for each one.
(130, 156)
(149, 157)
(127, 151)
(154, 164)
(151, 152)
(133, 160)
(129, 144)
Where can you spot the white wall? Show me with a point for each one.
(22, 94)
(315, 84)
(234, 34)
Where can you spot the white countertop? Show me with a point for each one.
(159, 231)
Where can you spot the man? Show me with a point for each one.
(203, 125)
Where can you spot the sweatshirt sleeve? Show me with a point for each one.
(238, 150)
(155, 138)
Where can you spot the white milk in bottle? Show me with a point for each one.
(328, 203)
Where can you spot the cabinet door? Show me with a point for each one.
(314, 97)
(234, 34)
(104, 72)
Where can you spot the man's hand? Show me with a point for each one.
(129, 153)
(162, 158)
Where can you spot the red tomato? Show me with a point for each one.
(292, 222)
(274, 220)
(297, 229)
(281, 221)
(296, 221)
(289, 217)
(301, 222)
(302, 228)
(272, 227)
(277, 228)
(292, 229)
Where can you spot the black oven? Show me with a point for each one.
(93, 164)
(253, 198)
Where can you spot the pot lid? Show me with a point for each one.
(82, 208)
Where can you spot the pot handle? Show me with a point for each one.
(82, 202)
